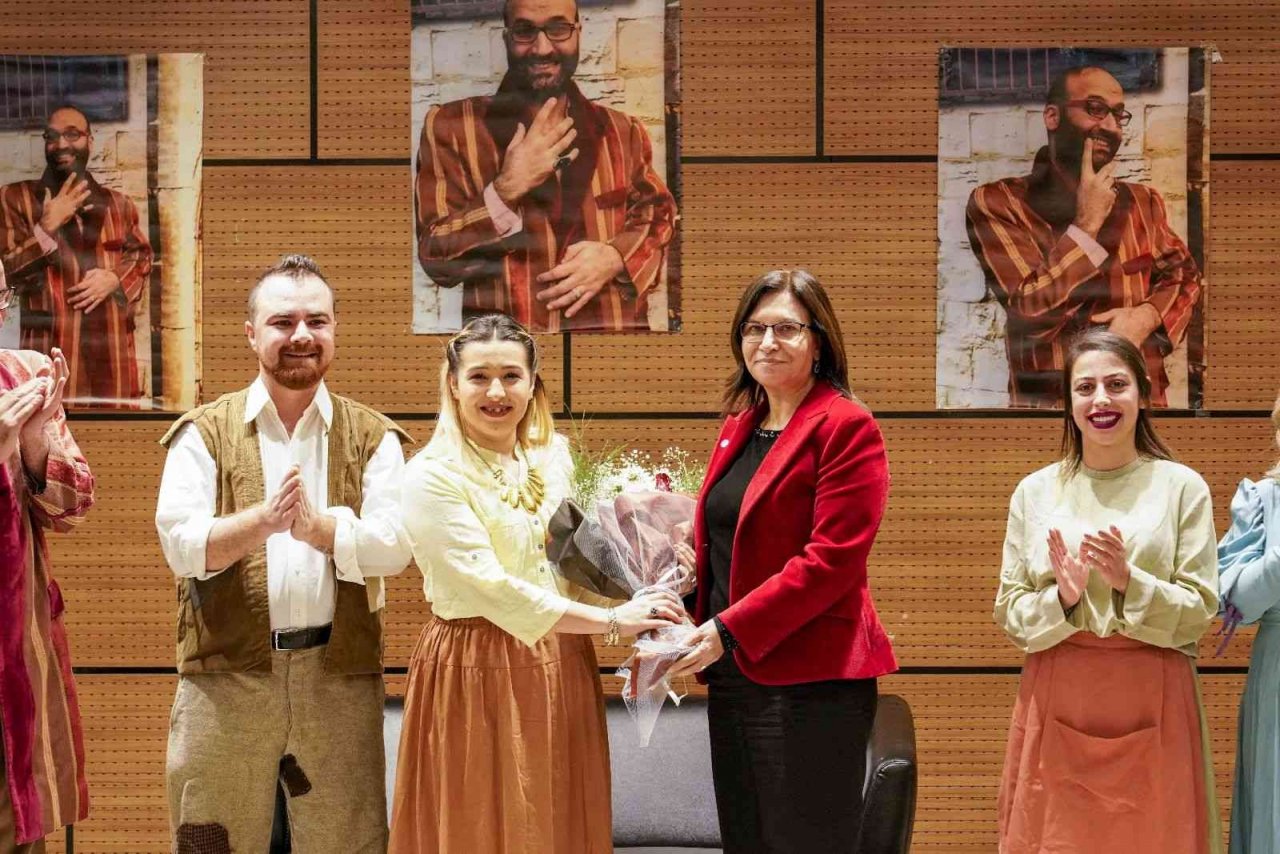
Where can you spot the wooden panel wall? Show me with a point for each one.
(809, 139)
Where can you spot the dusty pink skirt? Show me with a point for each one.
(1107, 752)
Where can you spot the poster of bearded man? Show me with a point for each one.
(100, 199)
(546, 167)
(1073, 193)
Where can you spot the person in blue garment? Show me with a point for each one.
(1249, 563)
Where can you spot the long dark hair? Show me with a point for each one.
(537, 426)
(1144, 437)
(741, 391)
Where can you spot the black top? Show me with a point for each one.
(724, 503)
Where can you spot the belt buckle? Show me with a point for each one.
(277, 635)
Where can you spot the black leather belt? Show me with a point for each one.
(287, 639)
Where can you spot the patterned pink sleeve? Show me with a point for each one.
(68, 492)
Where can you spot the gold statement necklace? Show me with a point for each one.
(527, 494)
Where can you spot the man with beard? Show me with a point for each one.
(45, 485)
(1068, 247)
(279, 514)
(538, 202)
(80, 261)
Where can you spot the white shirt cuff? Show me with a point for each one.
(192, 545)
(505, 220)
(1097, 254)
(47, 243)
(344, 545)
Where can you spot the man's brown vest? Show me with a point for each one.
(224, 623)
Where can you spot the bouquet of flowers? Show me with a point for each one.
(616, 537)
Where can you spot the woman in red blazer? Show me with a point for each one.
(794, 493)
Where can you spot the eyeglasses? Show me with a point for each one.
(556, 31)
(71, 135)
(6, 297)
(788, 331)
(1098, 109)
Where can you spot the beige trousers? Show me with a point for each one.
(8, 831)
(233, 737)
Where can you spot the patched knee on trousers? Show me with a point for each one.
(294, 779)
(203, 839)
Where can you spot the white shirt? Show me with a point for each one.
(299, 584)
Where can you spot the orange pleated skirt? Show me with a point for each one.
(1108, 752)
(503, 747)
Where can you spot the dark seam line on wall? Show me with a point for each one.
(314, 29)
(1246, 155)
(125, 670)
(566, 379)
(882, 415)
(735, 159)
(306, 161)
(819, 77)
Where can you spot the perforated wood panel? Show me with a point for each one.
(881, 63)
(364, 80)
(749, 71)
(256, 58)
(865, 230)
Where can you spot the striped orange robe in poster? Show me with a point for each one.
(610, 193)
(1050, 287)
(39, 714)
(99, 346)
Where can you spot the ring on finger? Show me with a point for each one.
(562, 161)
(653, 612)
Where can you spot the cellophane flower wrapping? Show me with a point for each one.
(617, 538)
(645, 526)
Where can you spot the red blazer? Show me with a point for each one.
(799, 606)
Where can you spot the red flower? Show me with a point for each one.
(663, 482)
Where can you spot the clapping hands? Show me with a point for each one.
(1102, 552)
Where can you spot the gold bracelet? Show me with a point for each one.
(614, 635)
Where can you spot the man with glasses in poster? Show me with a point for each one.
(80, 261)
(1069, 247)
(538, 202)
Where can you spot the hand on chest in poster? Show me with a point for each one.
(92, 290)
(57, 211)
(535, 153)
(1135, 323)
(587, 267)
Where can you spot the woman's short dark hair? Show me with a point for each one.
(741, 390)
(1145, 437)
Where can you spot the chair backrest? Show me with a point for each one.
(662, 794)
(889, 796)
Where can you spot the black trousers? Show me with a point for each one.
(788, 762)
